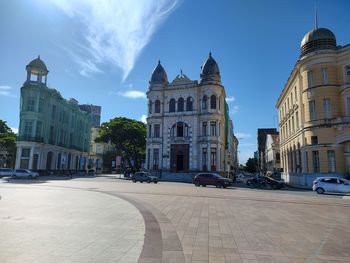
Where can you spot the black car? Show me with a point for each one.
(205, 179)
(261, 181)
(144, 177)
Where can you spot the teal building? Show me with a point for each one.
(53, 134)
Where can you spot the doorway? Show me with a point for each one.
(179, 158)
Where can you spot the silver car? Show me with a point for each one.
(331, 185)
(24, 173)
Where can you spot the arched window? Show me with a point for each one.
(172, 105)
(180, 104)
(150, 106)
(179, 129)
(189, 104)
(213, 102)
(205, 102)
(157, 106)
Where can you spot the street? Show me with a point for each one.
(105, 219)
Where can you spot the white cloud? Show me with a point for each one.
(242, 135)
(116, 31)
(235, 109)
(143, 118)
(230, 99)
(133, 94)
(15, 130)
(6, 91)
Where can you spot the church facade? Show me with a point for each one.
(188, 124)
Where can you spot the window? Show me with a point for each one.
(310, 79)
(28, 128)
(295, 94)
(150, 131)
(297, 120)
(213, 159)
(53, 112)
(172, 105)
(150, 107)
(180, 129)
(157, 106)
(312, 110)
(347, 73)
(212, 128)
(316, 161)
(307, 161)
(155, 159)
(331, 161)
(314, 140)
(324, 76)
(41, 105)
(213, 102)
(204, 158)
(25, 153)
(38, 128)
(149, 158)
(180, 104)
(205, 102)
(293, 127)
(52, 135)
(204, 129)
(327, 108)
(157, 131)
(291, 98)
(189, 104)
(31, 104)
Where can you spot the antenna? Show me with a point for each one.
(316, 16)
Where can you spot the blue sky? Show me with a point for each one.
(103, 52)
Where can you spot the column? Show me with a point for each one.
(18, 158)
(31, 158)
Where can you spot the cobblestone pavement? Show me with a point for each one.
(183, 223)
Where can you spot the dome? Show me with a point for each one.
(210, 70)
(38, 65)
(316, 39)
(159, 75)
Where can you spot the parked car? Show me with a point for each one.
(144, 177)
(261, 181)
(5, 172)
(331, 185)
(205, 179)
(24, 173)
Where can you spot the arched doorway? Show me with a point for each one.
(49, 160)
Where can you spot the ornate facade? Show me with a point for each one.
(54, 134)
(188, 123)
(314, 111)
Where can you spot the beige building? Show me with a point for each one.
(314, 111)
(188, 123)
(272, 153)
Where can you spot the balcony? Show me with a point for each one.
(185, 139)
(27, 138)
(154, 140)
(209, 138)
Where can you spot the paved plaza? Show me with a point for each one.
(104, 219)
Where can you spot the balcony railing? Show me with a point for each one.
(30, 138)
(180, 139)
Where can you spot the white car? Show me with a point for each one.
(24, 173)
(331, 185)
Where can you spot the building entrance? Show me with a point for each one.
(179, 158)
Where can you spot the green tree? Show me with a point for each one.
(128, 137)
(251, 165)
(107, 158)
(7, 145)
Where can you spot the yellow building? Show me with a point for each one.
(314, 111)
